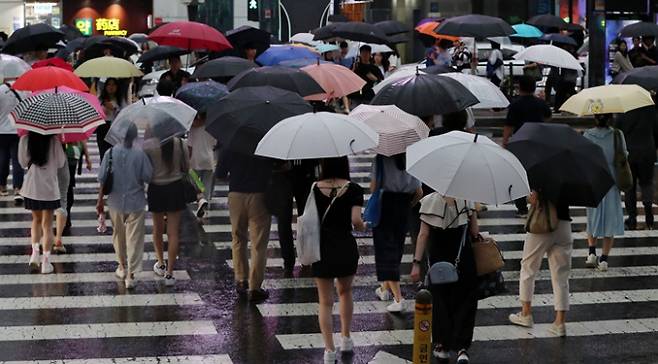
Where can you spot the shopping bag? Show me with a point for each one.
(308, 232)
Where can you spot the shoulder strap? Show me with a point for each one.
(332, 201)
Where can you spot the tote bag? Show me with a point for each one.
(373, 211)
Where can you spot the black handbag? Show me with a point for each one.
(491, 284)
(109, 179)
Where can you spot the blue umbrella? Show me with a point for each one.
(558, 38)
(199, 95)
(526, 31)
(275, 55)
(302, 62)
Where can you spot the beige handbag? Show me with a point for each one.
(542, 218)
(488, 258)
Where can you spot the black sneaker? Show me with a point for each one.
(649, 221)
(242, 287)
(258, 295)
(630, 224)
(462, 357)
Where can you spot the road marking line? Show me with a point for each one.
(182, 359)
(96, 277)
(133, 300)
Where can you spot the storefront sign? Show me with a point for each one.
(84, 26)
(106, 26)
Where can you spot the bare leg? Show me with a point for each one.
(526, 308)
(47, 229)
(560, 317)
(395, 288)
(60, 223)
(346, 304)
(173, 228)
(607, 245)
(158, 230)
(326, 301)
(35, 229)
(591, 241)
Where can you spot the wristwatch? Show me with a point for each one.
(415, 261)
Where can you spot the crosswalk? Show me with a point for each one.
(83, 314)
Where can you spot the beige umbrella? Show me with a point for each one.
(108, 66)
(608, 99)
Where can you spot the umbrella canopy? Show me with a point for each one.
(246, 36)
(32, 37)
(392, 27)
(281, 77)
(438, 69)
(423, 95)
(559, 38)
(396, 129)
(356, 31)
(275, 55)
(199, 95)
(139, 38)
(641, 29)
(160, 118)
(398, 38)
(56, 113)
(324, 48)
(526, 31)
(45, 78)
(316, 135)
(549, 55)
(398, 75)
(646, 77)
(475, 26)
(190, 35)
(241, 119)
(547, 21)
(472, 167)
(12, 67)
(223, 67)
(160, 53)
(607, 99)
(55, 62)
(490, 95)
(336, 80)
(119, 46)
(305, 38)
(562, 164)
(428, 30)
(70, 32)
(303, 62)
(108, 66)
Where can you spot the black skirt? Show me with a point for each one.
(166, 198)
(340, 256)
(37, 205)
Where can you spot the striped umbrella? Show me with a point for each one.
(397, 129)
(56, 113)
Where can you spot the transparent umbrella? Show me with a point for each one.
(158, 119)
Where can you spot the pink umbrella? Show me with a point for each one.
(74, 137)
(337, 80)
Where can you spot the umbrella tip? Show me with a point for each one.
(268, 102)
(475, 140)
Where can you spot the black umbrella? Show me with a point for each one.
(641, 29)
(392, 27)
(562, 164)
(424, 95)
(476, 26)
(120, 47)
(140, 38)
(199, 95)
(161, 52)
(223, 67)
(646, 77)
(70, 33)
(32, 37)
(438, 69)
(246, 36)
(559, 38)
(398, 38)
(356, 31)
(286, 78)
(548, 21)
(241, 119)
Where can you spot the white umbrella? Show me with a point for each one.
(305, 38)
(396, 128)
(12, 67)
(397, 75)
(469, 167)
(549, 55)
(316, 135)
(490, 95)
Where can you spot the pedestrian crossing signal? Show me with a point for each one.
(253, 10)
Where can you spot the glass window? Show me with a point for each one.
(43, 12)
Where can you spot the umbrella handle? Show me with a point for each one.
(475, 139)
(352, 142)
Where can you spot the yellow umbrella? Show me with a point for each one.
(608, 99)
(108, 66)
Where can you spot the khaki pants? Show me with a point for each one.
(557, 245)
(128, 239)
(250, 220)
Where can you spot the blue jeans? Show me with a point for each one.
(9, 153)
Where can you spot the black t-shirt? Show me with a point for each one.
(362, 69)
(246, 173)
(527, 109)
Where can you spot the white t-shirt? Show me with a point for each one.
(202, 143)
(41, 182)
(444, 212)
(8, 101)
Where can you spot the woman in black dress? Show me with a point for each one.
(338, 250)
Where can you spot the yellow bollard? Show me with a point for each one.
(423, 328)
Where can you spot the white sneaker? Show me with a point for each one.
(130, 281)
(440, 353)
(329, 357)
(169, 280)
(591, 261)
(395, 306)
(120, 273)
(160, 270)
(347, 345)
(519, 319)
(35, 258)
(602, 266)
(558, 330)
(46, 267)
(384, 295)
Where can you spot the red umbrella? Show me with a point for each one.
(190, 35)
(48, 77)
(55, 62)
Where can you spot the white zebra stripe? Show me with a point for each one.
(183, 359)
(96, 277)
(133, 300)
